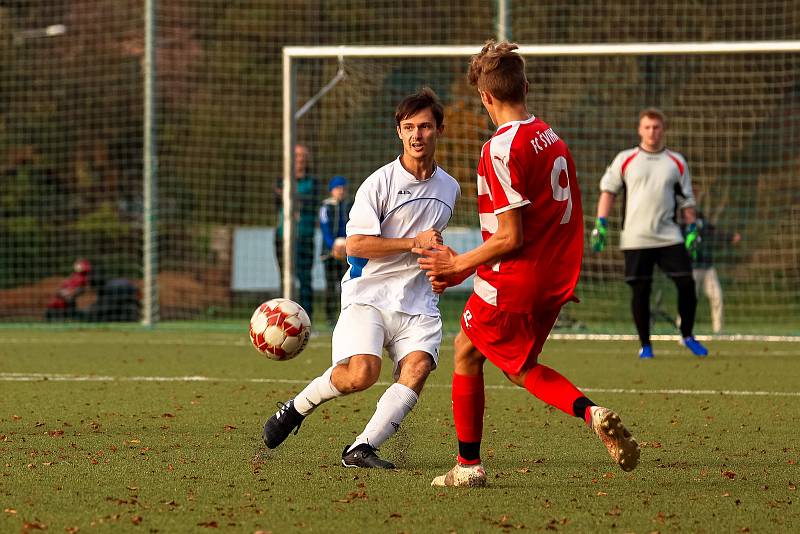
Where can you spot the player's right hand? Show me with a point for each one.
(428, 239)
(692, 240)
(598, 238)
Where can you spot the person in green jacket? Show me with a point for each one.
(305, 216)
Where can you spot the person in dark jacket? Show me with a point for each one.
(305, 214)
(333, 215)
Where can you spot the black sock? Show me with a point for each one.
(580, 406)
(640, 306)
(469, 451)
(687, 303)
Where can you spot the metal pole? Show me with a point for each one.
(289, 185)
(149, 173)
(503, 32)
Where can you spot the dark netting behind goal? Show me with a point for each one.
(735, 117)
(72, 150)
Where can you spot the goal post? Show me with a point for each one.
(759, 70)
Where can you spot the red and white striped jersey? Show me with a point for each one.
(527, 166)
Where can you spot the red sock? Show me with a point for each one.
(551, 387)
(468, 403)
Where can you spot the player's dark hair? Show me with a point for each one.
(653, 113)
(499, 70)
(413, 104)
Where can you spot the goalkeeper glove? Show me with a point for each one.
(692, 240)
(598, 239)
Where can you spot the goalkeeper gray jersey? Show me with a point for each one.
(655, 185)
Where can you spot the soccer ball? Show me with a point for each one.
(279, 329)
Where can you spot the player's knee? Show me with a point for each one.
(417, 369)
(684, 282)
(361, 374)
(518, 379)
(466, 356)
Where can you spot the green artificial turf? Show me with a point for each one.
(106, 431)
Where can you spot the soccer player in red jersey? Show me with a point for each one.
(527, 267)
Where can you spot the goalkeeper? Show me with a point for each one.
(656, 182)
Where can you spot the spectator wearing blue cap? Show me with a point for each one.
(333, 215)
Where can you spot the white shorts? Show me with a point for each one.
(364, 329)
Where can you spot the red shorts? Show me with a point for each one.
(512, 341)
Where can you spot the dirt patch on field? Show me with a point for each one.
(180, 295)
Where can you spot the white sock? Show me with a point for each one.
(320, 390)
(395, 403)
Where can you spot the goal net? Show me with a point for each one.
(72, 149)
(728, 112)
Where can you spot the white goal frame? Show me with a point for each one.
(291, 53)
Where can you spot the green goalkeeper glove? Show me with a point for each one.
(598, 239)
(692, 240)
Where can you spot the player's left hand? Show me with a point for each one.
(437, 260)
(440, 265)
(428, 239)
(692, 240)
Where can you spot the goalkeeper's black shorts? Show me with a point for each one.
(673, 260)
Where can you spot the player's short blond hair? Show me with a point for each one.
(499, 70)
(653, 113)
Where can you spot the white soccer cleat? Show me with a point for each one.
(621, 445)
(462, 475)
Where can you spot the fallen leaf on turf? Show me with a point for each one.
(208, 524)
(395, 514)
(10, 511)
(228, 428)
(523, 470)
(792, 486)
(729, 474)
(33, 525)
(55, 433)
(167, 415)
(614, 511)
(136, 520)
(72, 530)
(601, 493)
(609, 475)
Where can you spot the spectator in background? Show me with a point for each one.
(333, 216)
(656, 182)
(703, 271)
(305, 215)
(63, 306)
(118, 300)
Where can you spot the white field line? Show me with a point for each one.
(43, 377)
(673, 337)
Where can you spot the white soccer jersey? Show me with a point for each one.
(655, 184)
(392, 203)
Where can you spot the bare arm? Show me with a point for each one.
(372, 246)
(605, 203)
(689, 215)
(443, 264)
(505, 240)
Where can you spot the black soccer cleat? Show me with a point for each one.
(279, 426)
(364, 456)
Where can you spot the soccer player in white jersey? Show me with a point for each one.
(387, 301)
(656, 182)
